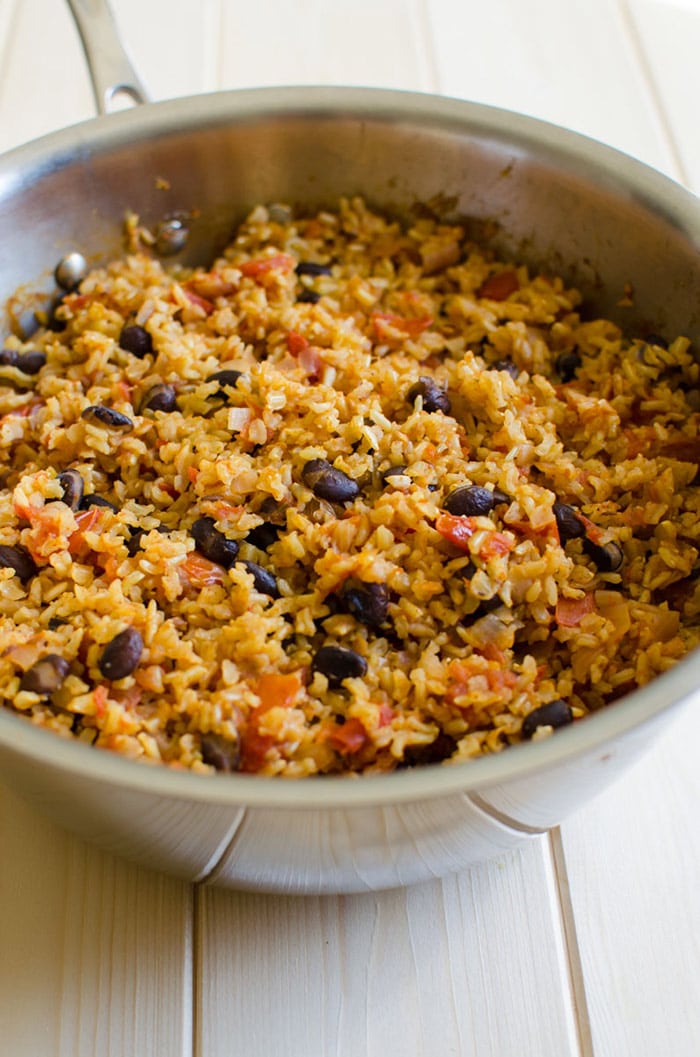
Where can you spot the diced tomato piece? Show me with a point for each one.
(260, 267)
(348, 738)
(110, 565)
(500, 679)
(277, 691)
(87, 521)
(99, 696)
(274, 691)
(593, 532)
(571, 611)
(25, 410)
(499, 287)
(548, 530)
(125, 390)
(386, 714)
(492, 652)
(198, 571)
(77, 301)
(192, 474)
(457, 529)
(495, 545)
(296, 343)
(387, 321)
(201, 302)
(310, 361)
(254, 748)
(223, 511)
(209, 285)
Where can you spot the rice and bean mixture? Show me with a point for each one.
(358, 496)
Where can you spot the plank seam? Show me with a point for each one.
(196, 972)
(640, 54)
(427, 40)
(577, 986)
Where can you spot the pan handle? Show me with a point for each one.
(111, 71)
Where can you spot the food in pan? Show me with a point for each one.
(358, 496)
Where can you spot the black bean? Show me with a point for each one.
(264, 535)
(20, 560)
(505, 365)
(53, 323)
(161, 397)
(656, 339)
(70, 271)
(273, 511)
(569, 524)
(220, 752)
(393, 471)
(608, 557)
(121, 656)
(473, 501)
(568, 363)
(263, 580)
(308, 297)
(224, 377)
(434, 396)
(136, 340)
(368, 603)
(482, 610)
(28, 362)
(555, 714)
(107, 416)
(46, 675)
(212, 543)
(73, 487)
(338, 663)
(171, 236)
(97, 500)
(31, 362)
(437, 751)
(328, 483)
(312, 268)
(133, 545)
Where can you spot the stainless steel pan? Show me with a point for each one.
(560, 200)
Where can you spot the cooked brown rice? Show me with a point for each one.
(287, 580)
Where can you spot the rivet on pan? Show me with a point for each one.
(70, 271)
(171, 237)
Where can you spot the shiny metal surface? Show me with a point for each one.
(557, 200)
(71, 270)
(111, 70)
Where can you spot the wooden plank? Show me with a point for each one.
(95, 953)
(668, 36)
(570, 63)
(632, 860)
(173, 43)
(313, 42)
(43, 82)
(472, 965)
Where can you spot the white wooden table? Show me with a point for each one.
(585, 942)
